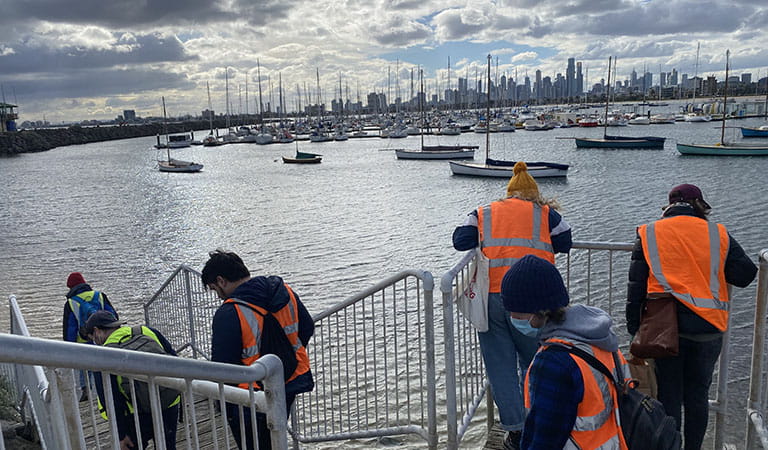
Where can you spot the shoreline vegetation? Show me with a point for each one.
(42, 139)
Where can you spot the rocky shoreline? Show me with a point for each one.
(39, 140)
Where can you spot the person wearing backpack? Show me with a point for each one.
(105, 329)
(570, 404)
(260, 315)
(82, 301)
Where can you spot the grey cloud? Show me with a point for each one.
(98, 83)
(142, 49)
(399, 31)
(144, 14)
(451, 26)
(661, 19)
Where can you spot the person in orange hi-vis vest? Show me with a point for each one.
(571, 405)
(687, 257)
(240, 331)
(522, 223)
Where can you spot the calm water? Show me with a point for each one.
(330, 229)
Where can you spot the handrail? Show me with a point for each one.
(756, 429)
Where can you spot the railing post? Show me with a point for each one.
(274, 392)
(428, 284)
(190, 315)
(721, 401)
(450, 370)
(758, 346)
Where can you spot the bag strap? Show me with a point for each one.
(592, 361)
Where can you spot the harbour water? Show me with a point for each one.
(335, 228)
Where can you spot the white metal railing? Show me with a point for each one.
(593, 276)
(757, 429)
(372, 356)
(373, 360)
(204, 386)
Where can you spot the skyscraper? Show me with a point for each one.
(570, 78)
(579, 80)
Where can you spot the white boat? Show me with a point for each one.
(504, 169)
(490, 169)
(176, 165)
(640, 120)
(697, 117)
(450, 130)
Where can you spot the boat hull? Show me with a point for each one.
(179, 166)
(484, 170)
(620, 143)
(313, 160)
(722, 150)
(434, 154)
(754, 132)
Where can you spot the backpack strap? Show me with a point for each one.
(592, 361)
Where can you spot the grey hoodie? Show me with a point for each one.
(586, 324)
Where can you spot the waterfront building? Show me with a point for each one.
(8, 117)
(129, 115)
(579, 80)
(746, 78)
(570, 78)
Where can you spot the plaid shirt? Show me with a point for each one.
(555, 389)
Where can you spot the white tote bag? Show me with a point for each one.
(472, 301)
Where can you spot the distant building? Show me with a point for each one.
(746, 78)
(8, 117)
(208, 114)
(129, 115)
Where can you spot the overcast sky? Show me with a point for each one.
(91, 59)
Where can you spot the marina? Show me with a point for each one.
(340, 227)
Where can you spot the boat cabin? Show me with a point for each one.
(7, 117)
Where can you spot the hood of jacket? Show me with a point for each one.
(269, 292)
(585, 324)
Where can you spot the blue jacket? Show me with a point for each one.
(70, 326)
(269, 293)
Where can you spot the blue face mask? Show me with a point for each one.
(524, 326)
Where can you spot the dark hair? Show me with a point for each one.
(699, 208)
(224, 264)
(556, 316)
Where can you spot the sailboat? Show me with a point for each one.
(211, 140)
(618, 141)
(175, 165)
(761, 131)
(434, 151)
(723, 148)
(696, 116)
(500, 168)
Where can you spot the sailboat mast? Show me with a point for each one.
(226, 92)
(488, 113)
(261, 103)
(210, 107)
(607, 99)
(421, 107)
(165, 129)
(725, 98)
(696, 71)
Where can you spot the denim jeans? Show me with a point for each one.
(505, 350)
(684, 382)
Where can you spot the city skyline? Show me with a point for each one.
(92, 60)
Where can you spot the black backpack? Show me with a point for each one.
(644, 423)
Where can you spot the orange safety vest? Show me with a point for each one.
(597, 423)
(510, 229)
(251, 324)
(686, 257)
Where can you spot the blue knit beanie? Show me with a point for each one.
(531, 285)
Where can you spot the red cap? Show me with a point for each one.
(687, 193)
(74, 279)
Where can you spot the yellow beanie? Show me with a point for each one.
(522, 183)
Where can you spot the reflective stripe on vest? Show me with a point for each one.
(597, 415)
(686, 257)
(510, 229)
(251, 323)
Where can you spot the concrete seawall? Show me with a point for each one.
(29, 141)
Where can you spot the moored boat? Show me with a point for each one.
(749, 132)
(303, 158)
(621, 142)
(176, 165)
(503, 169)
